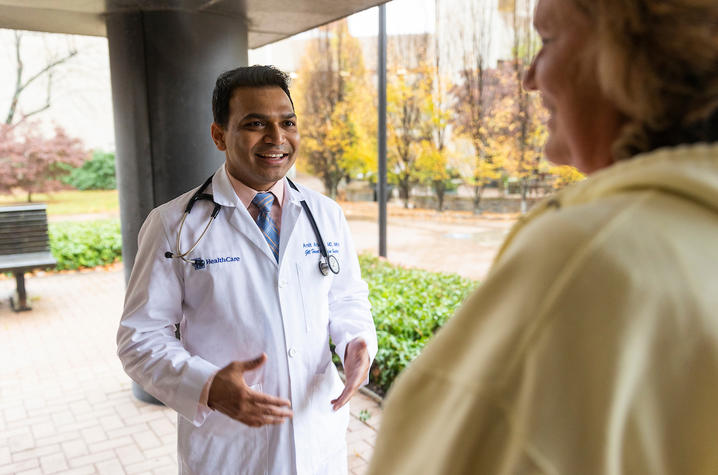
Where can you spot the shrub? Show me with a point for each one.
(408, 306)
(85, 244)
(98, 173)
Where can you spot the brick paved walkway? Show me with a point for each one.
(65, 403)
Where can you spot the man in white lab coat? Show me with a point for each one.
(251, 377)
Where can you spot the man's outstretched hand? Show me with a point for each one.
(356, 368)
(230, 395)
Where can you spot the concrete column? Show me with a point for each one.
(163, 68)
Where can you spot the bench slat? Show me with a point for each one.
(21, 222)
(24, 240)
(24, 250)
(15, 236)
(5, 248)
(28, 261)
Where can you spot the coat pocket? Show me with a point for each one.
(314, 292)
(331, 426)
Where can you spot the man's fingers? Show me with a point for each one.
(261, 415)
(264, 420)
(232, 396)
(262, 398)
(275, 411)
(275, 420)
(257, 418)
(342, 399)
(356, 366)
(272, 420)
(350, 387)
(253, 364)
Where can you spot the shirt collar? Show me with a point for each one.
(247, 194)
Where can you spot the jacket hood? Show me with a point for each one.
(689, 171)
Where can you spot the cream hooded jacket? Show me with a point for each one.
(591, 348)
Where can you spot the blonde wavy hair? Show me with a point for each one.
(657, 60)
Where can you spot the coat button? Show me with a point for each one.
(292, 352)
(282, 283)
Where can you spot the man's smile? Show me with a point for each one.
(272, 156)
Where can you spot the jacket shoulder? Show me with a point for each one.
(604, 222)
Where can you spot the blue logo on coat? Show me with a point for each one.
(200, 264)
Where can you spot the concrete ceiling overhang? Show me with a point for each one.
(268, 20)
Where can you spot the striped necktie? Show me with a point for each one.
(264, 201)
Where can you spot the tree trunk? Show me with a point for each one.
(330, 186)
(404, 192)
(440, 190)
(29, 196)
(478, 191)
(524, 191)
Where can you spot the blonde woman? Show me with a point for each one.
(592, 347)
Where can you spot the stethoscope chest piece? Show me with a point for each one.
(331, 263)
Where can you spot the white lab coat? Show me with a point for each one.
(242, 304)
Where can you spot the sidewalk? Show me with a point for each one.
(66, 406)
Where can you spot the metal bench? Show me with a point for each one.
(24, 246)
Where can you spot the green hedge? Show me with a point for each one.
(98, 173)
(85, 244)
(408, 306)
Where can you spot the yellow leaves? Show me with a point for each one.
(565, 175)
(432, 164)
(503, 125)
(335, 106)
(487, 171)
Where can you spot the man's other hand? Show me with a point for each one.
(230, 395)
(356, 368)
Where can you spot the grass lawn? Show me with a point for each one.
(69, 202)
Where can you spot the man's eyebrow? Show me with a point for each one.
(257, 115)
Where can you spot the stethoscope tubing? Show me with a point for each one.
(329, 263)
(326, 263)
(181, 254)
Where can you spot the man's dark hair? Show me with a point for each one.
(248, 76)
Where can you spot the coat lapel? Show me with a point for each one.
(291, 211)
(237, 215)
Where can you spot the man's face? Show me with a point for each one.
(261, 139)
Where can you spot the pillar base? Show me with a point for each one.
(144, 396)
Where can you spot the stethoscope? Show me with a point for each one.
(326, 262)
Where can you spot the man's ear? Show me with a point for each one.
(218, 136)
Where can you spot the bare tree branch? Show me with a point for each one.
(49, 67)
(18, 79)
(47, 100)
(21, 85)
